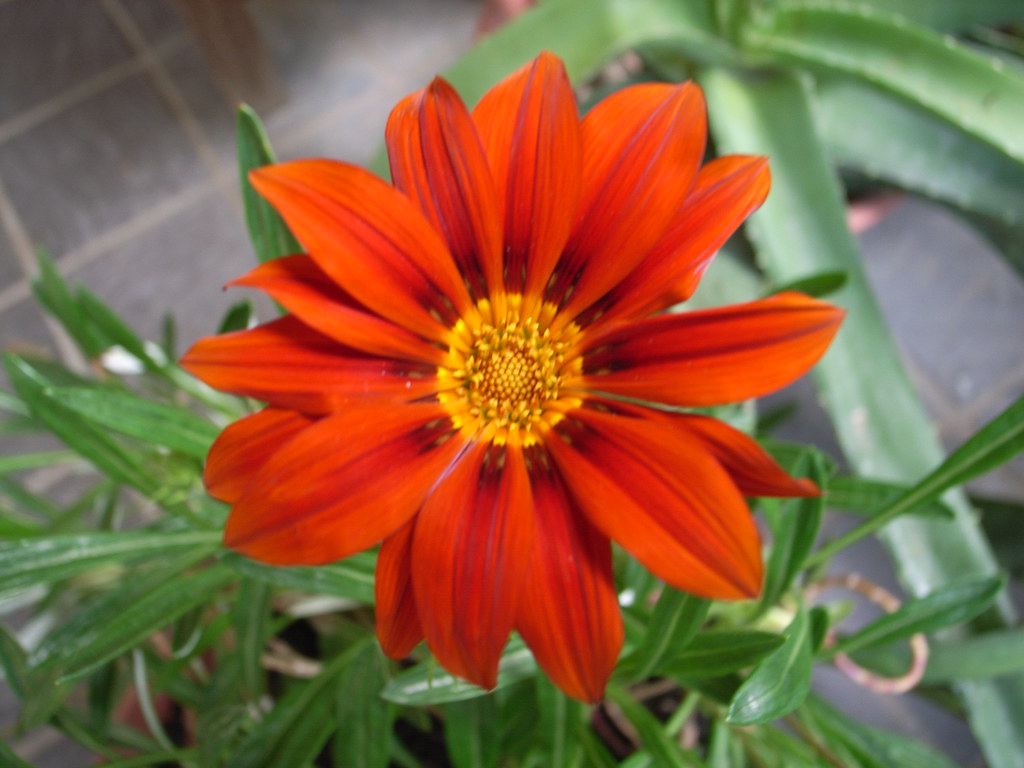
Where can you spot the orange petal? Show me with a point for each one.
(569, 613)
(728, 190)
(531, 132)
(714, 356)
(371, 239)
(343, 484)
(398, 624)
(305, 290)
(753, 471)
(642, 148)
(437, 160)
(657, 492)
(470, 554)
(287, 364)
(245, 446)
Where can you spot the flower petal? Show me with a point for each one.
(470, 553)
(371, 239)
(305, 290)
(398, 624)
(728, 190)
(239, 452)
(531, 132)
(569, 613)
(753, 471)
(642, 148)
(287, 364)
(343, 484)
(657, 492)
(437, 160)
(712, 356)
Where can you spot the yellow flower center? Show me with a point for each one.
(504, 372)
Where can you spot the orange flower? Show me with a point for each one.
(458, 373)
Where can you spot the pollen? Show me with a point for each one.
(505, 373)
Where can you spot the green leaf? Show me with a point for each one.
(665, 752)
(942, 608)
(780, 683)
(251, 620)
(794, 524)
(127, 615)
(944, 15)
(364, 720)
(675, 621)
(239, 316)
(560, 720)
(880, 422)
(33, 561)
(121, 411)
(872, 747)
(427, 683)
(11, 760)
(112, 328)
(982, 656)
(719, 652)
(350, 578)
(888, 139)
(270, 236)
(294, 731)
(870, 497)
(24, 461)
(470, 734)
(936, 73)
(52, 292)
(815, 285)
(77, 433)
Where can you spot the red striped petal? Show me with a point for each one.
(470, 553)
(343, 484)
(657, 492)
(289, 365)
(714, 356)
(753, 471)
(531, 132)
(305, 290)
(642, 148)
(569, 614)
(398, 624)
(436, 159)
(239, 452)
(728, 190)
(371, 239)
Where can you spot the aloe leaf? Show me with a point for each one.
(888, 139)
(270, 236)
(989, 655)
(879, 420)
(977, 94)
(943, 15)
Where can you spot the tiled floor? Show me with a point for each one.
(116, 156)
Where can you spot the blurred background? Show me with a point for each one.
(117, 159)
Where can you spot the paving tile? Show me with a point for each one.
(178, 267)
(158, 20)
(51, 45)
(97, 165)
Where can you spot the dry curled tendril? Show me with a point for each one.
(888, 603)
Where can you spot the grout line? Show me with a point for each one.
(24, 253)
(40, 113)
(170, 93)
(113, 238)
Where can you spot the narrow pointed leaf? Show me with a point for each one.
(470, 734)
(720, 652)
(942, 608)
(864, 496)
(363, 719)
(270, 236)
(351, 578)
(780, 683)
(675, 621)
(664, 751)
